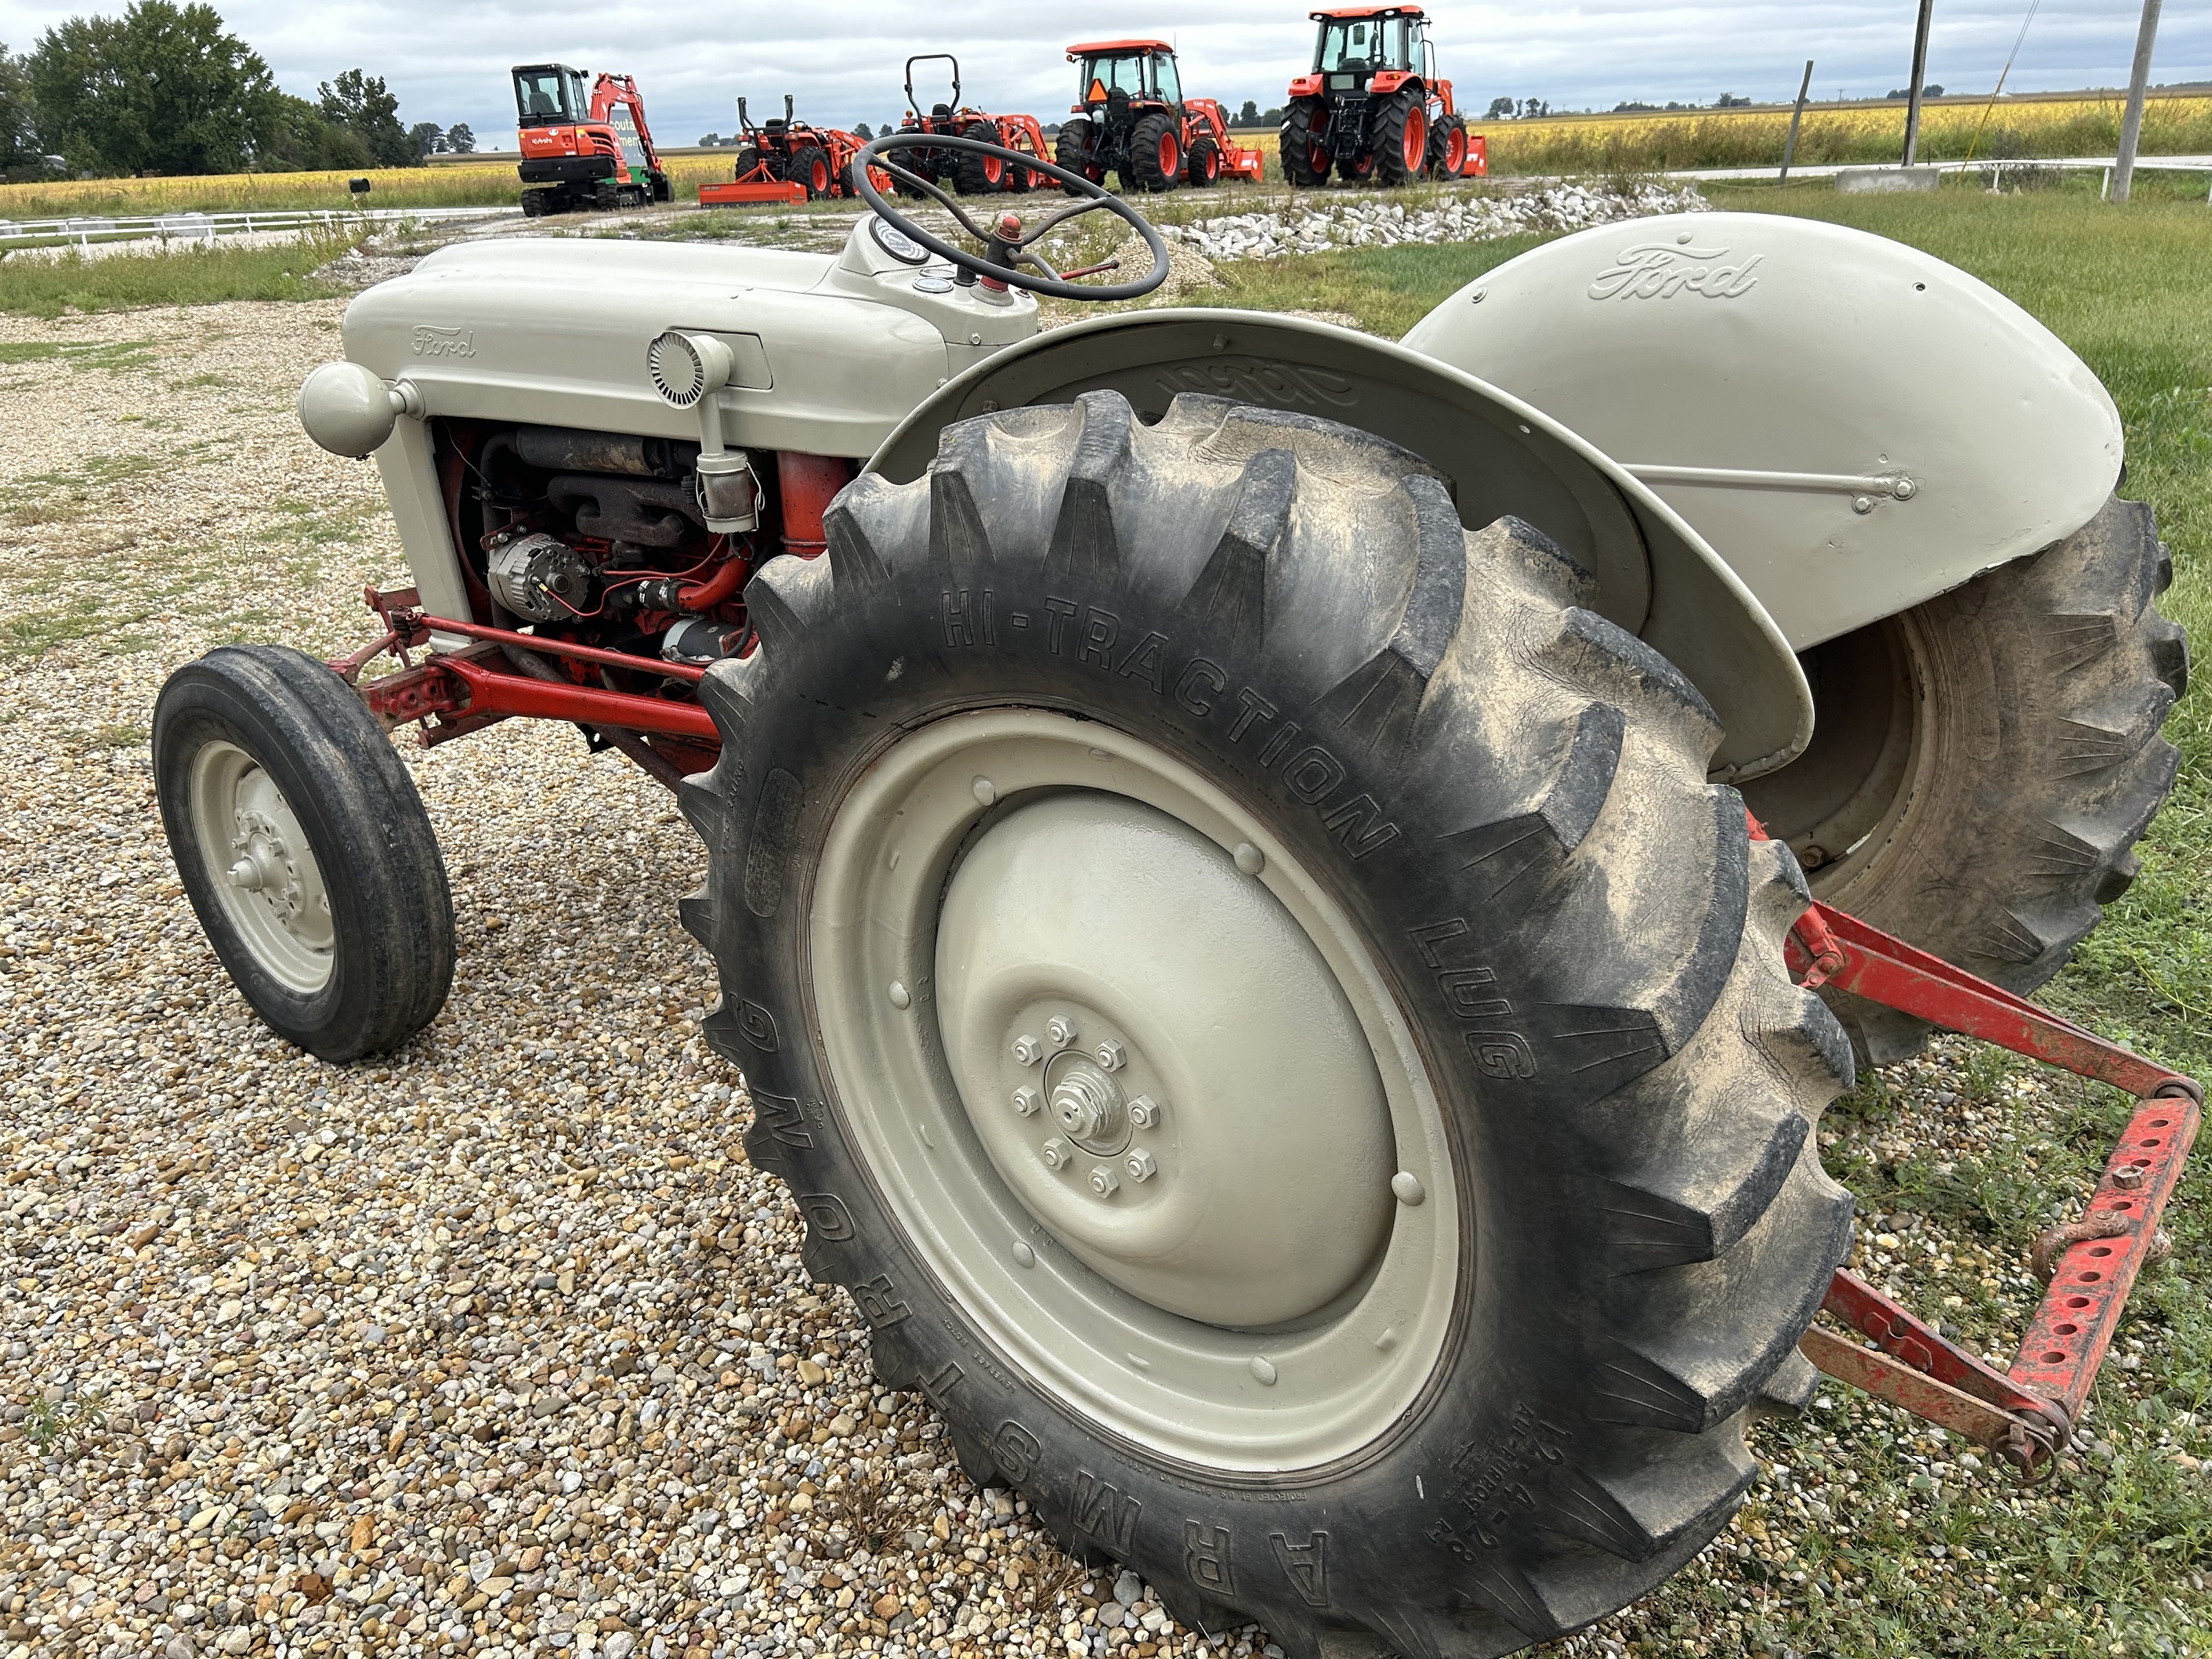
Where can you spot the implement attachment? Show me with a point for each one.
(2024, 1415)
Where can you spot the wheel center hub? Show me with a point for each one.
(1087, 1108)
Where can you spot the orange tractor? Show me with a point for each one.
(1134, 120)
(968, 171)
(789, 160)
(1373, 107)
(581, 152)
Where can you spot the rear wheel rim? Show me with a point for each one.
(1196, 1342)
(263, 871)
(1417, 141)
(1170, 155)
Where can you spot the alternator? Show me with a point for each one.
(538, 577)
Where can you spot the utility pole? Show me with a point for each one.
(2123, 164)
(1919, 75)
(1790, 150)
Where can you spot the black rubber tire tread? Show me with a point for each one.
(1144, 171)
(1300, 121)
(968, 166)
(1388, 139)
(391, 908)
(803, 163)
(2051, 677)
(1071, 148)
(1634, 1093)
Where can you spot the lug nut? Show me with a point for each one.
(1111, 1056)
(1027, 1100)
(1027, 1050)
(1145, 1113)
(2128, 1176)
(1141, 1165)
(1060, 1031)
(1057, 1153)
(1103, 1183)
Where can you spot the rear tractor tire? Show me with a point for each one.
(304, 849)
(980, 175)
(810, 167)
(1264, 1013)
(1982, 764)
(1401, 139)
(1304, 151)
(1073, 150)
(1156, 154)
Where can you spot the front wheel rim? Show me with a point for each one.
(1112, 1230)
(264, 874)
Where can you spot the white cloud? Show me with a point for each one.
(841, 58)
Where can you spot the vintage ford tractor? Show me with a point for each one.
(1224, 839)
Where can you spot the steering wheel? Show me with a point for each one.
(1008, 245)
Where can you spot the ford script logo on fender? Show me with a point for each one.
(1660, 270)
(430, 342)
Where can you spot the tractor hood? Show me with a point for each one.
(832, 351)
(1656, 577)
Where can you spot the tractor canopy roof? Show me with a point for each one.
(1335, 12)
(1091, 48)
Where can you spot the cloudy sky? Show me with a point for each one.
(447, 59)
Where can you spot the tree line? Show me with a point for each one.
(165, 88)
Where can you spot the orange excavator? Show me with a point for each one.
(582, 152)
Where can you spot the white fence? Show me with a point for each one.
(208, 227)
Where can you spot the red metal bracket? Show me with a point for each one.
(2027, 1415)
(474, 691)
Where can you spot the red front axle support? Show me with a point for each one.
(2026, 1415)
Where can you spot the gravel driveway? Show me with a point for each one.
(499, 1346)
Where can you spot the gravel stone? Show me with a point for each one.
(494, 1346)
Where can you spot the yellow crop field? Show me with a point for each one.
(460, 185)
(1870, 132)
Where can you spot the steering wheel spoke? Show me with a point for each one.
(1009, 246)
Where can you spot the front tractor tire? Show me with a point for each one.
(1258, 1003)
(1983, 764)
(304, 848)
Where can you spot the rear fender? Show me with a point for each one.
(1655, 577)
(1854, 425)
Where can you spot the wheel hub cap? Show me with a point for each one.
(1171, 977)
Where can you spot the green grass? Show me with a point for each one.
(39, 286)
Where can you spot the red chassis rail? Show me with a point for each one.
(2025, 1414)
(453, 692)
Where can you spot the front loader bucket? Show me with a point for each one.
(1241, 163)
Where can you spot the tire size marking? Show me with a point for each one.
(1104, 1513)
(1306, 1566)
(1497, 1050)
(1311, 775)
(1502, 1480)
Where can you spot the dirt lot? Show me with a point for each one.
(500, 1346)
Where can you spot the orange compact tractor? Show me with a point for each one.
(1372, 107)
(969, 172)
(580, 153)
(789, 160)
(1134, 120)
